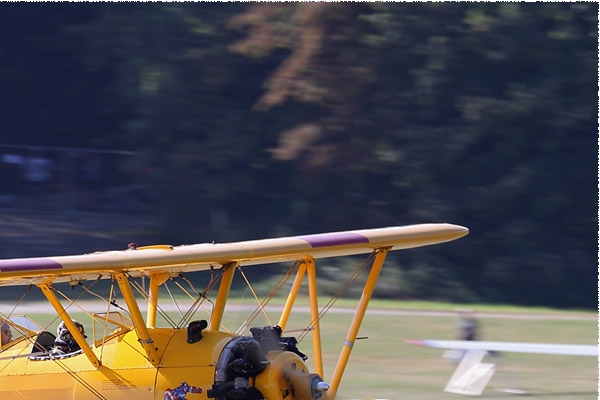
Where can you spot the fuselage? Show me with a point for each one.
(185, 370)
(125, 372)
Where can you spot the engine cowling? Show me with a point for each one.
(265, 366)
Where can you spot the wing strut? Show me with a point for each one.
(307, 265)
(138, 321)
(156, 279)
(223, 293)
(361, 309)
(62, 313)
(314, 315)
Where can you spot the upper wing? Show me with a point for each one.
(144, 261)
(516, 347)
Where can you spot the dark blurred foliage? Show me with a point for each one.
(253, 120)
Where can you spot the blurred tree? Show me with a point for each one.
(189, 98)
(447, 112)
(43, 82)
(264, 119)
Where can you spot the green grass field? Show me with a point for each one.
(383, 366)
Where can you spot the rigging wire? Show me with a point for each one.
(136, 285)
(201, 296)
(69, 371)
(111, 302)
(338, 294)
(27, 290)
(17, 327)
(262, 304)
(82, 381)
(6, 317)
(198, 301)
(173, 299)
(74, 301)
(111, 293)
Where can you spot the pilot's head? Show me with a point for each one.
(63, 333)
(5, 333)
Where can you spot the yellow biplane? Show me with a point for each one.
(131, 356)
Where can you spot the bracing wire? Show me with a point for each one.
(173, 300)
(79, 379)
(69, 371)
(198, 299)
(20, 300)
(7, 316)
(136, 285)
(338, 294)
(200, 296)
(262, 304)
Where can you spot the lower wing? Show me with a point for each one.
(516, 347)
(472, 375)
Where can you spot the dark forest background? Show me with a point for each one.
(234, 121)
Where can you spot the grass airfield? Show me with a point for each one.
(383, 366)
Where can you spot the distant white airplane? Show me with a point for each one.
(472, 376)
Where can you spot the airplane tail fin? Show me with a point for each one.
(471, 375)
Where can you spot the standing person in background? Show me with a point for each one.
(466, 325)
(467, 328)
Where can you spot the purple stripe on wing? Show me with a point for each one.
(28, 265)
(334, 239)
